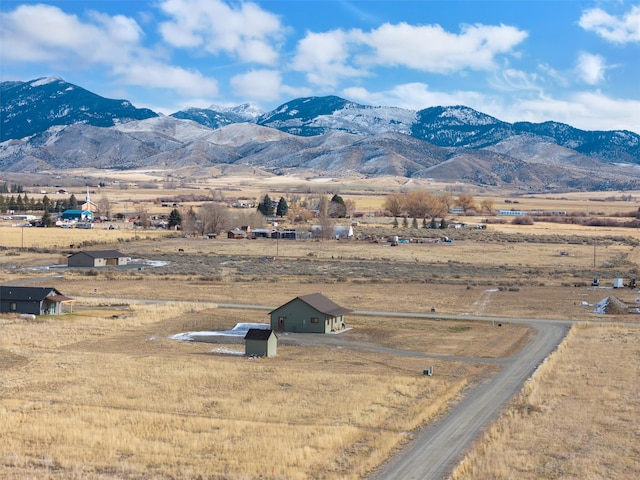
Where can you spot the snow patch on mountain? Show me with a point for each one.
(45, 81)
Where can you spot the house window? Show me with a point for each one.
(13, 307)
(314, 320)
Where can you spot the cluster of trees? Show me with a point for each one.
(13, 188)
(268, 207)
(22, 203)
(420, 204)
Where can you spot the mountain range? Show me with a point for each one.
(49, 124)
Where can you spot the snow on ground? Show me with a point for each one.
(240, 330)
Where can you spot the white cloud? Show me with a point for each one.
(585, 110)
(324, 57)
(264, 85)
(432, 49)
(59, 41)
(41, 33)
(329, 57)
(620, 30)
(158, 75)
(245, 31)
(590, 68)
(257, 84)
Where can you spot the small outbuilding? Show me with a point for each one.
(97, 258)
(312, 313)
(32, 300)
(261, 342)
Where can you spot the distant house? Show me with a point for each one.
(97, 258)
(312, 313)
(77, 215)
(32, 300)
(261, 342)
(236, 233)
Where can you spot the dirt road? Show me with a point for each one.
(434, 453)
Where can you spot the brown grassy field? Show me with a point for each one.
(104, 393)
(90, 396)
(577, 418)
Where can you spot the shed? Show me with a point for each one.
(33, 300)
(97, 258)
(312, 313)
(79, 215)
(261, 342)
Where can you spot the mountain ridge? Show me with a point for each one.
(330, 135)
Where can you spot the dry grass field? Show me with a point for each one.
(578, 418)
(104, 393)
(92, 396)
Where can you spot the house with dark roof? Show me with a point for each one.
(312, 313)
(32, 300)
(97, 258)
(261, 342)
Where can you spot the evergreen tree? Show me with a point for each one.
(443, 224)
(46, 215)
(395, 222)
(175, 219)
(433, 223)
(266, 206)
(73, 202)
(424, 223)
(414, 223)
(405, 222)
(337, 207)
(283, 208)
(46, 204)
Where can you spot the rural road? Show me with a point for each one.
(438, 449)
(435, 451)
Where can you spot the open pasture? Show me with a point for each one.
(93, 396)
(578, 418)
(104, 393)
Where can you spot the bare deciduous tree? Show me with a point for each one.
(487, 204)
(104, 207)
(213, 218)
(465, 201)
(394, 203)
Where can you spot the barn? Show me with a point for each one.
(32, 300)
(261, 342)
(312, 313)
(97, 258)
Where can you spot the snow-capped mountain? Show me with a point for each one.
(32, 107)
(51, 124)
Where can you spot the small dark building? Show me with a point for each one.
(261, 342)
(32, 300)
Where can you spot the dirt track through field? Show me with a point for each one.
(436, 450)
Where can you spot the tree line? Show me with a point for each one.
(420, 204)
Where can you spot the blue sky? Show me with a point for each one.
(576, 62)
